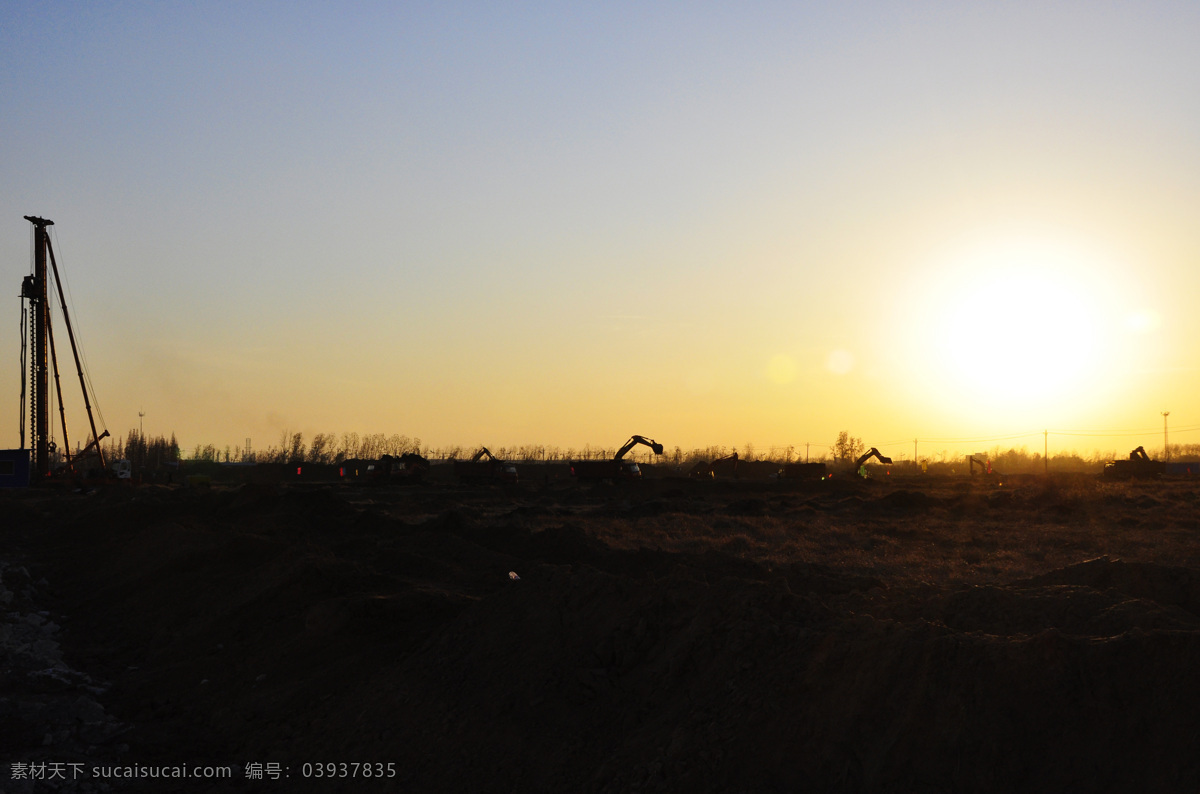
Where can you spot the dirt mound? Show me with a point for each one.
(747, 507)
(289, 626)
(1165, 585)
(905, 501)
(1074, 610)
(566, 544)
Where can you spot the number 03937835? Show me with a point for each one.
(355, 769)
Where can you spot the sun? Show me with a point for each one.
(1025, 334)
(1013, 326)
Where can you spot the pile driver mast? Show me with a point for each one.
(42, 358)
(34, 290)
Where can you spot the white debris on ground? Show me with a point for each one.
(49, 713)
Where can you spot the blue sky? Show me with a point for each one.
(562, 224)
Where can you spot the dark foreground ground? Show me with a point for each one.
(913, 635)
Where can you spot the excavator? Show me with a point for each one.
(617, 468)
(1138, 465)
(485, 467)
(707, 471)
(860, 464)
(980, 460)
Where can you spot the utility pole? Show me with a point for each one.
(1046, 451)
(915, 451)
(141, 430)
(1166, 449)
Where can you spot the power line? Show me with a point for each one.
(974, 440)
(1029, 434)
(1123, 433)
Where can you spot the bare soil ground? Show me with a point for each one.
(668, 635)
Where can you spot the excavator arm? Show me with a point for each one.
(634, 441)
(481, 453)
(708, 470)
(93, 443)
(871, 453)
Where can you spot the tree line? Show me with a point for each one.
(328, 448)
(142, 451)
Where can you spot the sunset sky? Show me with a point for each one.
(561, 224)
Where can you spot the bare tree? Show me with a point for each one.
(349, 446)
(847, 448)
(295, 448)
(320, 449)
